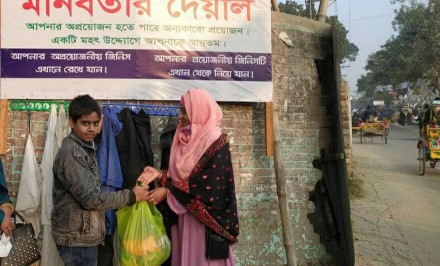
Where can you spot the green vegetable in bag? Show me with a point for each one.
(142, 235)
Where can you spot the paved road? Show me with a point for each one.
(398, 221)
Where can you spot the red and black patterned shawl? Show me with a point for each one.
(209, 192)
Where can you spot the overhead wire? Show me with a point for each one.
(365, 18)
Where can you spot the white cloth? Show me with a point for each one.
(49, 254)
(49, 153)
(29, 191)
(49, 251)
(62, 129)
(5, 246)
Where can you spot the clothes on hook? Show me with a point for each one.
(125, 148)
(34, 200)
(166, 139)
(62, 128)
(29, 192)
(111, 177)
(49, 254)
(134, 145)
(108, 160)
(37, 181)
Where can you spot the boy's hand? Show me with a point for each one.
(141, 193)
(157, 195)
(149, 175)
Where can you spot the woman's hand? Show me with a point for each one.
(7, 225)
(149, 175)
(157, 195)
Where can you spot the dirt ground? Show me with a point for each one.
(369, 214)
(396, 218)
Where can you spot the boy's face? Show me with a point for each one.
(86, 127)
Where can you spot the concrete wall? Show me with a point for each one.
(298, 95)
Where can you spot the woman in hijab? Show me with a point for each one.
(199, 185)
(6, 207)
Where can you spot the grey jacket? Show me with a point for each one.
(78, 218)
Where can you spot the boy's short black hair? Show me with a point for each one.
(83, 105)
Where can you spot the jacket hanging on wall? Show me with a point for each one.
(134, 145)
(110, 172)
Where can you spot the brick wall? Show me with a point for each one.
(297, 94)
(346, 120)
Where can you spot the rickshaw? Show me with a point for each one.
(429, 143)
(429, 147)
(374, 129)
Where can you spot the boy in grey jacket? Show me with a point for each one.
(78, 219)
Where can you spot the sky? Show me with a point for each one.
(369, 26)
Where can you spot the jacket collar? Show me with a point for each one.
(87, 145)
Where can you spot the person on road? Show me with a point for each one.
(355, 120)
(369, 114)
(409, 118)
(402, 117)
(423, 117)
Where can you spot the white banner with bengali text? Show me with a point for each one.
(136, 49)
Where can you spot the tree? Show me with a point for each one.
(414, 53)
(347, 50)
(293, 8)
(365, 85)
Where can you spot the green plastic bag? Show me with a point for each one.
(142, 236)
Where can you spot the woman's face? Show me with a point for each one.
(183, 116)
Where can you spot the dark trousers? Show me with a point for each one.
(106, 252)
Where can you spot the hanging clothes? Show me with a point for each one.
(166, 139)
(49, 254)
(134, 145)
(110, 172)
(108, 158)
(29, 191)
(49, 152)
(62, 129)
